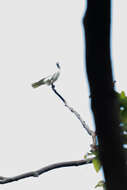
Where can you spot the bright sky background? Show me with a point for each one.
(36, 128)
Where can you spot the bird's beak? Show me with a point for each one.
(58, 65)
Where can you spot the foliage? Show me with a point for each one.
(96, 161)
(123, 115)
(122, 98)
(101, 184)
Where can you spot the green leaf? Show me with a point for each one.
(123, 109)
(96, 153)
(124, 136)
(123, 94)
(122, 99)
(124, 127)
(88, 154)
(123, 116)
(101, 184)
(92, 153)
(96, 163)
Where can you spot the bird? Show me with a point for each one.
(49, 80)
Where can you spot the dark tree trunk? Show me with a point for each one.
(104, 102)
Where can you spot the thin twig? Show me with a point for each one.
(53, 88)
(37, 173)
(86, 127)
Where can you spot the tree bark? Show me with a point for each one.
(104, 101)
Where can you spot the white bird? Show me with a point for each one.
(49, 80)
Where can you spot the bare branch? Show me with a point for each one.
(86, 127)
(37, 173)
(53, 88)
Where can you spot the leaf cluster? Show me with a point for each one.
(123, 115)
(122, 99)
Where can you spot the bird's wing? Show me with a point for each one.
(41, 82)
(56, 75)
(53, 78)
(47, 80)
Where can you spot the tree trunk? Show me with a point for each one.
(104, 102)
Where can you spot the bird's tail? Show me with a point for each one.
(37, 84)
